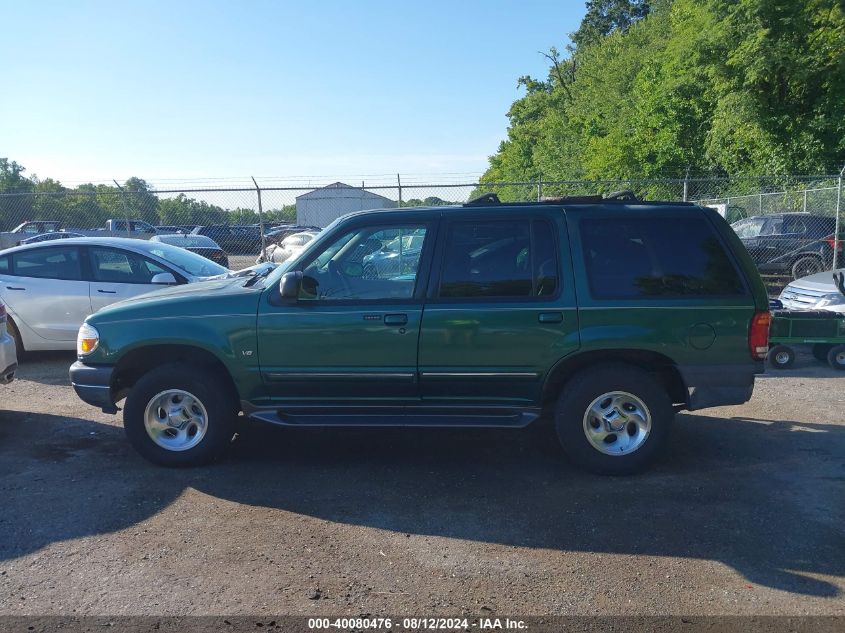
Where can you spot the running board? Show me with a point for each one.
(475, 418)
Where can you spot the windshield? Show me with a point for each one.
(191, 263)
(188, 241)
(749, 228)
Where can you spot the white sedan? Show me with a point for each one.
(50, 287)
(290, 246)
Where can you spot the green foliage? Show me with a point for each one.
(717, 87)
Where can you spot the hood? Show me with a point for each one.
(822, 282)
(203, 298)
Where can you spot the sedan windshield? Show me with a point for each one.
(191, 263)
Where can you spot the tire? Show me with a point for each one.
(807, 265)
(781, 357)
(15, 333)
(820, 351)
(593, 390)
(836, 357)
(199, 400)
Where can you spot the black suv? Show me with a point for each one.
(795, 244)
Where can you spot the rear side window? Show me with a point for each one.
(4, 266)
(634, 258)
(500, 259)
(56, 262)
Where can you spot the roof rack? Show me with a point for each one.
(485, 198)
(617, 196)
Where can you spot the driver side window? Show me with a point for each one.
(370, 263)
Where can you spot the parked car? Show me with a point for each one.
(277, 235)
(199, 244)
(113, 228)
(288, 247)
(794, 244)
(814, 292)
(50, 287)
(235, 240)
(8, 351)
(400, 254)
(603, 315)
(46, 237)
(166, 229)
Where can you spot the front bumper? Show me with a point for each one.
(717, 386)
(8, 359)
(93, 385)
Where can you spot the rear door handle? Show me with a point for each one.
(395, 319)
(14, 288)
(107, 292)
(550, 317)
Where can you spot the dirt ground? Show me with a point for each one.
(745, 515)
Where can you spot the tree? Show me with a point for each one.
(14, 206)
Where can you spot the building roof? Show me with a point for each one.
(330, 191)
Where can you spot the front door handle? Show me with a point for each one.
(107, 292)
(550, 317)
(395, 319)
(14, 288)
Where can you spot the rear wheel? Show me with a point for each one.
(781, 357)
(613, 419)
(180, 415)
(836, 357)
(808, 265)
(15, 333)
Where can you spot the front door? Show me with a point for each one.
(350, 337)
(500, 313)
(118, 274)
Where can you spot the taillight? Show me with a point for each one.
(758, 335)
(832, 242)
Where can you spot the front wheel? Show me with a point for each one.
(613, 419)
(180, 415)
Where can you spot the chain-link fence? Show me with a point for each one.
(790, 225)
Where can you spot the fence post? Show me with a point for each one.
(125, 208)
(399, 182)
(805, 199)
(260, 220)
(760, 203)
(838, 211)
(686, 186)
(539, 190)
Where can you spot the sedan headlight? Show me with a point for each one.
(87, 340)
(833, 299)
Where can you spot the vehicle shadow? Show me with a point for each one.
(764, 497)
(47, 368)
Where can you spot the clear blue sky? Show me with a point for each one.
(96, 90)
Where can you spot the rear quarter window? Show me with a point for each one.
(645, 257)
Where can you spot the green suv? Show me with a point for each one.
(603, 316)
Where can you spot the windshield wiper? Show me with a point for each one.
(253, 279)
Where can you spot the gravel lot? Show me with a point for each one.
(746, 515)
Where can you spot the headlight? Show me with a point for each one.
(834, 299)
(87, 340)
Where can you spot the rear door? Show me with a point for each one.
(501, 308)
(45, 287)
(118, 274)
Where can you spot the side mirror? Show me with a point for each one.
(164, 279)
(289, 285)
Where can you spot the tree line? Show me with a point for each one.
(90, 206)
(662, 88)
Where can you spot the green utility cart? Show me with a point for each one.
(824, 330)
